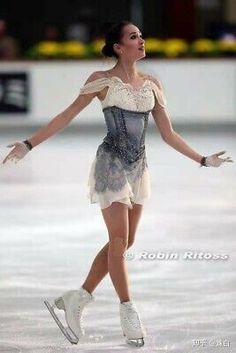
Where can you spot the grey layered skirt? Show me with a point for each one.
(119, 171)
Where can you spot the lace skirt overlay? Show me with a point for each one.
(119, 171)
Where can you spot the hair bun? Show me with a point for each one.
(113, 34)
(107, 51)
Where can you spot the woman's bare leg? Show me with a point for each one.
(117, 222)
(99, 268)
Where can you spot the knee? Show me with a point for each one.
(117, 246)
(130, 242)
(131, 239)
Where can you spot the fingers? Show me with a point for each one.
(215, 161)
(8, 158)
(220, 153)
(228, 159)
(13, 144)
(12, 158)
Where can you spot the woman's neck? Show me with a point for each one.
(126, 70)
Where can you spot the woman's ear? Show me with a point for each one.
(117, 48)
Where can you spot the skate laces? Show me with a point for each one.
(133, 317)
(79, 314)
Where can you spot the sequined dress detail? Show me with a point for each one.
(119, 171)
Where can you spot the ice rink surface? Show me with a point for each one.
(181, 267)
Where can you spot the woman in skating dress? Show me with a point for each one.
(119, 171)
(119, 178)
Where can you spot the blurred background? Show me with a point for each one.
(198, 27)
(49, 231)
(187, 42)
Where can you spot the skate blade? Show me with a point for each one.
(72, 340)
(138, 342)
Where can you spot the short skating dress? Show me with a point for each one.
(119, 171)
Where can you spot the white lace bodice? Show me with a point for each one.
(123, 95)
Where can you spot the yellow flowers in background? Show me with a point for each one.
(57, 50)
(227, 45)
(96, 46)
(203, 46)
(175, 47)
(49, 49)
(155, 47)
(207, 47)
(73, 49)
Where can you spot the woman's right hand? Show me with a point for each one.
(215, 161)
(18, 152)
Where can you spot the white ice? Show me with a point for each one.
(50, 234)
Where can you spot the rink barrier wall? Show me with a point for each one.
(197, 91)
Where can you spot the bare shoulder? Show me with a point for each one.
(95, 76)
(155, 80)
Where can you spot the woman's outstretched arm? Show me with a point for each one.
(60, 121)
(55, 125)
(172, 138)
(163, 122)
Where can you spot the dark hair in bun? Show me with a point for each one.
(113, 35)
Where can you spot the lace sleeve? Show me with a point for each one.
(95, 86)
(160, 96)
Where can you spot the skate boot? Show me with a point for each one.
(131, 324)
(73, 303)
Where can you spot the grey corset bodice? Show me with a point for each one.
(126, 131)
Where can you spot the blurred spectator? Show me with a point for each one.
(52, 33)
(9, 48)
(219, 30)
(78, 31)
(228, 33)
(228, 37)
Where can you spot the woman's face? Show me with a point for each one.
(131, 45)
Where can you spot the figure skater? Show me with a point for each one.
(119, 177)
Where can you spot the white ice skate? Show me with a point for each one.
(73, 303)
(131, 324)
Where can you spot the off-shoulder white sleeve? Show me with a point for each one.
(95, 85)
(160, 96)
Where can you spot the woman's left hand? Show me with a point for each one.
(215, 161)
(18, 152)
